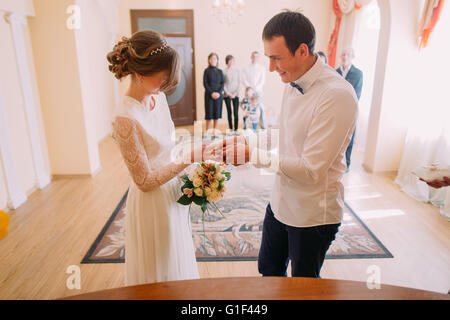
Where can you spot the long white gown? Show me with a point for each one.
(159, 245)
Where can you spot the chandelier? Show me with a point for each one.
(227, 11)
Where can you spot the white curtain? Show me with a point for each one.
(422, 151)
(428, 137)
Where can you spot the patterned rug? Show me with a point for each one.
(237, 237)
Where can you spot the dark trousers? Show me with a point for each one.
(304, 247)
(348, 153)
(235, 101)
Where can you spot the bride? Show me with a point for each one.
(159, 244)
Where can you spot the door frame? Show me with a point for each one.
(188, 14)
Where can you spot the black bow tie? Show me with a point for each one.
(296, 86)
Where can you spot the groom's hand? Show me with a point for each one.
(233, 150)
(236, 154)
(214, 152)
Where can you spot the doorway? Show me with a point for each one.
(178, 28)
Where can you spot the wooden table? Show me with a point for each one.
(259, 288)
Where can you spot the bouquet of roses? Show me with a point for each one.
(204, 185)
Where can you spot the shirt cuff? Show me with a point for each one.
(263, 159)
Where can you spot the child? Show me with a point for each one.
(245, 103)
(253, 112)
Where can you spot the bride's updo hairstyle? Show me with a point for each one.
(145, 53)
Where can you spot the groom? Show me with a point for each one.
(317, 118)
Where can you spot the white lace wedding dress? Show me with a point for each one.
(159, 245)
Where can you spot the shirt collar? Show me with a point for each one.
(346, 71)
(307, 79)
(349, 67)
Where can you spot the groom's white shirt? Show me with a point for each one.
(315, 130)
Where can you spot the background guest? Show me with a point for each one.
(253, 112)
(245, 103)
(231, 91)
(355, 76)
(254, 75)
(213, 82)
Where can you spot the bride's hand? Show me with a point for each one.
(214, 152)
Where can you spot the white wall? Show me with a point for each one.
(3, 191)
(77, 91)
(15, 110)
(94, 40)
(24, 7)
(13, 103)
(59, 87)
(400, 88)
(239, 39)
(67, 84)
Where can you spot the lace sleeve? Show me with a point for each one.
(129, 139)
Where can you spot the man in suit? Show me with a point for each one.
(355, 77)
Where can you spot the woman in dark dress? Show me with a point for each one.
(213, 82)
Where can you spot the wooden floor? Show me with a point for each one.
(56, 226)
